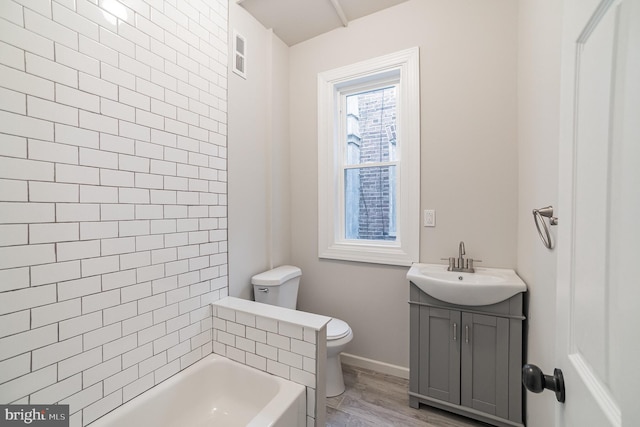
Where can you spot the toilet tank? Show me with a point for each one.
(278, 286)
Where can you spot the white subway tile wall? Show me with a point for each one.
(282, 348)
(113, 229)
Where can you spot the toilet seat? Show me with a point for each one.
(337, 329)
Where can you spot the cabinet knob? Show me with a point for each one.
(534, 380)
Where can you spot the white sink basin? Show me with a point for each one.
(485, 286)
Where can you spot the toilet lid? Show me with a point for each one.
(337, 329)
(276, 276)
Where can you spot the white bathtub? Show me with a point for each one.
(215, 391)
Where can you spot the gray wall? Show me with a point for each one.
(468, 160)
(485, 68)
(258, 156)
(540, 23)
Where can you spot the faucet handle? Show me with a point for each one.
(470, 262)
(452, 262)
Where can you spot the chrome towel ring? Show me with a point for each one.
(538, 214)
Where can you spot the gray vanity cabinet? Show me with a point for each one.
(467, 360)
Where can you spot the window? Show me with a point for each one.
(369, 160)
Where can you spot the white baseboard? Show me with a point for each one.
(375, 365)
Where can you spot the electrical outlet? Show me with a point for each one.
(429, 218)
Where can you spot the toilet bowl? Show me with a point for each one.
(279, 286)
(339, 334)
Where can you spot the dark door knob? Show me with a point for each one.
(534, 380)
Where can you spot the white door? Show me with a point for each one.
(598, 302)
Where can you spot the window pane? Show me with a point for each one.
(370, 203)
(371, 126)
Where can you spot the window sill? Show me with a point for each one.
(369, 253)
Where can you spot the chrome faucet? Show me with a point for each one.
(461, 264)
(461, 254)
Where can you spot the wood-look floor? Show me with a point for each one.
(375, 399)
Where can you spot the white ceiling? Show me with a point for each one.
(295, 21)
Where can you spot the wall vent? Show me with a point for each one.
(239, 54)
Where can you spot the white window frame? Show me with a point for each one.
(400, 66)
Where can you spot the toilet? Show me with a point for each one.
(279, 286)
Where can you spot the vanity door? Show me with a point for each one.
(484, 364)
(439, 357)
